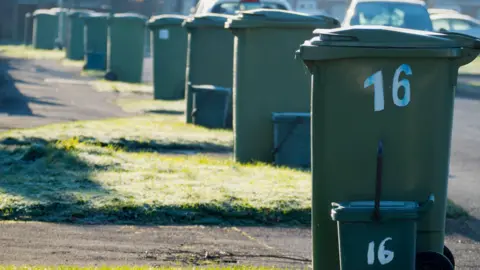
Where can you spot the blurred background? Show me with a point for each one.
(12, 12)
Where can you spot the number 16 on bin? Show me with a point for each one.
(377, 81)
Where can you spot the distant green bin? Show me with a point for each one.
(60, 13)
(74, 40)
(291, 139)
(268, 78)
(169, 45)
(95, 40)
(211, 106)
(209, 55)
(126, 47)
(28, 29)
(45, 29)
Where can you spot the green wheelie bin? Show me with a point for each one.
(209, 55)
(28, 29)
(126, 47)
(74, 40)
(95, 40)
(169, 46)
(382, 109)
(267, 77)
(45, 29)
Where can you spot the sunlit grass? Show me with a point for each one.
(28, 52)
(122, 87)
(135, 268)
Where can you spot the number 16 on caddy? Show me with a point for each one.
(377, 81)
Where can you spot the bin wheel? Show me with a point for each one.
(110, 76)
(448, 253)
(430, 260)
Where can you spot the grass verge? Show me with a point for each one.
(122, 87)
(27, 52)
(134, 268)
(151, 169)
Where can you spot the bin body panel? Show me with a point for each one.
(346, 131)
(125, 48)
(267, 79)
(95, 42)
(291, 139)
(169, 44)
(45, 31)
(210, 60)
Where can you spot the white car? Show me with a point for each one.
(456, 22)
(410, 14)
(233, 6)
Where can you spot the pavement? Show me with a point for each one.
(38, 92)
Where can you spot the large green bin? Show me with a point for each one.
(74, 40)
(209, 54)
(267, 76)
(61, 14)
(169, 46)
(125, 49)
(388, 86)
(95, 40)
(45, 29)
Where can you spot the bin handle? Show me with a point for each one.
(424, 207)
(378, 181)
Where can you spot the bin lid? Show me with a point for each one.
(78, 13)
(44, 12)
(362, 211)
(207, 20)
(163, 20)
(130, 16)
(209, 87)
(279, 18)
(369, 41)
(94, 15)
(290, 116)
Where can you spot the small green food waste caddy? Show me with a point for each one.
(126, 47)
(169, 46)
(389, 85)
(209, 55)
(267, 76)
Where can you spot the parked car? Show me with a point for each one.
(233, 6)
(411, 14)
(456, 22)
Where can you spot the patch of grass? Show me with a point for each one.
(149, 105)
(151, 169)
(28, 52)
(473, 68)
(99, 74)
(135, 268)
(455, 211)
(122, 87)
(73, 63)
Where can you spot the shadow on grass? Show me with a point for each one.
(48, 181)
(169, 112)
(156, 146)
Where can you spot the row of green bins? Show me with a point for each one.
(211, 106)
(291, 139)
(382, 109)
(169, 45)
(28, 29)
(74, 40)
(267, 76)
(125, 47)
(45, 29)
(95, 40)
(209, 55)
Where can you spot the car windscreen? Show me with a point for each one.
(235, 6)
(403, 15)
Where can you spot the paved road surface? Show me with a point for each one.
(26, 100)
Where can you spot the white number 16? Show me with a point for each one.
(377, 81)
